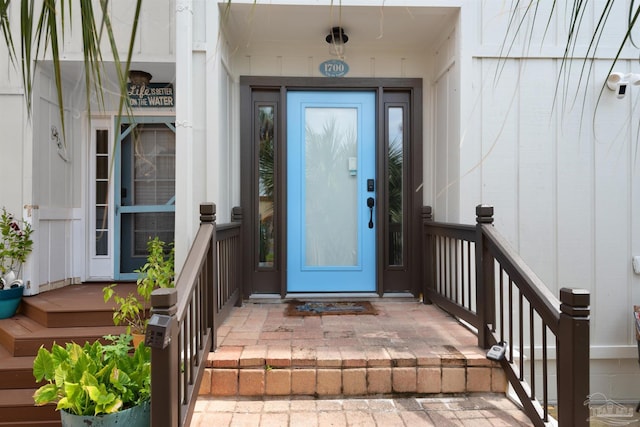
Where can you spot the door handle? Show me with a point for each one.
(370, 204)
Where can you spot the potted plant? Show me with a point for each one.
(158, 272)
(96, 384)
(15, 246)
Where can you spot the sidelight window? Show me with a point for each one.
(395, 184)
(102, 192)
(266, 187)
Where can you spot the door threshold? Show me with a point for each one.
(327, 296)
(331, 296)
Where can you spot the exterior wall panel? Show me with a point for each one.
(561, 169)
(575, 195)
(612, 144)
(156, 30)
(56, 191)
(536, 176)
(441, 132)
(13, 168)
(268, 61)
(500, 151)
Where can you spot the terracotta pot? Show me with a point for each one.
(137, 339)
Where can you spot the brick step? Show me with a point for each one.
(255, 371)
(22, 336)
(48, 423)
(73, 306)
(17, 409)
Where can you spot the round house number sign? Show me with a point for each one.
(334, 68)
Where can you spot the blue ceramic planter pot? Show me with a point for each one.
(138, 416)
(9, 301)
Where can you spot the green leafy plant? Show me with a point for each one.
(158, 272)
(15, 242)
(95, 378)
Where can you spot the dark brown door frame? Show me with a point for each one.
(272, 91)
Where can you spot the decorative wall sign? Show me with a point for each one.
(151, 95)
(334, 68)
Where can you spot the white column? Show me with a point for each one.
(212, 103)
(30, 213)
(184, 131)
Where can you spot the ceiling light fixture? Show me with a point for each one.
(337, 39)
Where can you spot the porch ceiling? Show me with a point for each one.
(372, 27)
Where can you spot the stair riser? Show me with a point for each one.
(70, 319)
(344, 382)
(28, 414)
(49, 423)
(18, 378)
(30, 347)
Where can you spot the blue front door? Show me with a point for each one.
(331, 245)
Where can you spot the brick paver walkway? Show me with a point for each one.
(475, 410)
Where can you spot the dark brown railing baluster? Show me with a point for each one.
(545, 373)
(532, 356)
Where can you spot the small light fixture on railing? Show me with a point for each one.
(497, 352)
(337, 39)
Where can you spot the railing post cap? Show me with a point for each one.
(207, 208)
(575, 302)
(236, 214)
(427, 213)
(575, 297)
(164, 297)
(484, 214)
(207, 212)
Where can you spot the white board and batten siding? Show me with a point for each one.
(562, 171)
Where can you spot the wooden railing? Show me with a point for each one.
(471, 272)
(205, 291)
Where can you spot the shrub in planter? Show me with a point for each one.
(15, 247)
(94, 379)
(158, 272)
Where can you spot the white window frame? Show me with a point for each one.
(100, 266)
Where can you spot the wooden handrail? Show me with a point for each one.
(546, 303)
(509, 296)
(193, 267)
(193, 310)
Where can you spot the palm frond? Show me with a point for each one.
(122, 74)
(577, 12)
(42, 32)
(6, 29)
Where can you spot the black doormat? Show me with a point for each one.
(315, 308)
